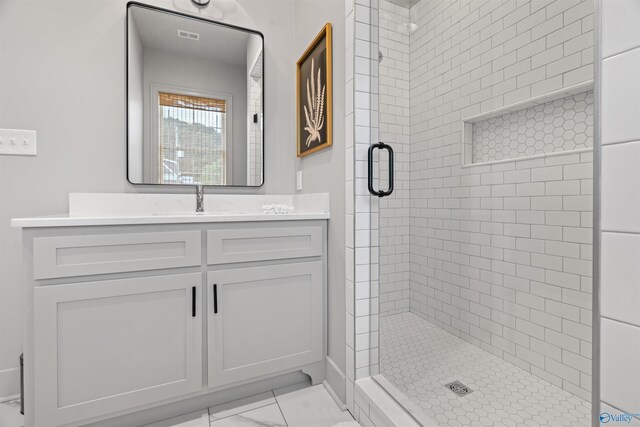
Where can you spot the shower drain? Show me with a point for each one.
(458, 388)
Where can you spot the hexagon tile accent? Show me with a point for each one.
(419, 358)
(561, 125)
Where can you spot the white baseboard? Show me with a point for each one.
(9, 384)
(342, 406)
(336, 383)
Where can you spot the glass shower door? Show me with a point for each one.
(481, 220)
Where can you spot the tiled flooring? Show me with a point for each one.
(296, 406)
(419, 358)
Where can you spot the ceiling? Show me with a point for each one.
(159, 30)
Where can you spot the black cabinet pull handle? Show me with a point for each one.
(380, 146)
(215, 299)
(193, 301)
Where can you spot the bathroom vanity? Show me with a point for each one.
(133, 302)
(139, 308)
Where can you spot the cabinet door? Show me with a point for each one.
(268, 320)
(109, 346)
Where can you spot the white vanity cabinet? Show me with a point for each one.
(110, 345)
(263, 320)
(126, 318)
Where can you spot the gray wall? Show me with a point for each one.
(7, 377)
(64, 76)
(324, 171)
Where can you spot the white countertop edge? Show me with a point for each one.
(76, 221)
(102, 205)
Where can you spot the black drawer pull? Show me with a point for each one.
(193, 301)
(215, 299)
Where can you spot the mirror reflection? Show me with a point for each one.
(195, 101)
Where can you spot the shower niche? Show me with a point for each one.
(551, 124)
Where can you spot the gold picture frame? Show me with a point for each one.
(314, 95)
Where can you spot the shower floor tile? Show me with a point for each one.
(419, 358)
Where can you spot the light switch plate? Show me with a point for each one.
(15, 142)
(299, 180)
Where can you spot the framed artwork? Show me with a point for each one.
(314, 95)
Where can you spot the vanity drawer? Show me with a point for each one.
(263, 244)
(68, 256)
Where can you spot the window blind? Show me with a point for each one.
(192, 102)
(193, 140)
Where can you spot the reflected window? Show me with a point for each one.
(193, 139)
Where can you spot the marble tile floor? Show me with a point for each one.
(296, 406)
(419, 358)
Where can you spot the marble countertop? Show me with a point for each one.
(141, 209)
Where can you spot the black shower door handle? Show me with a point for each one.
(380, 146)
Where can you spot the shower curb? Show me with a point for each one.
(377, 406)
(406, 403)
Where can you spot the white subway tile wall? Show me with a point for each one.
(620, 230)
(498, 254)
(395, 130)
(620, 26)
(361, 251)
(620, 354)
(621, 274)
(620, 187)
(620, 97)
(255, 127)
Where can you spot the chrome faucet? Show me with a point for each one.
(199, 199)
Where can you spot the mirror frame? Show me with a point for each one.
(209, 21)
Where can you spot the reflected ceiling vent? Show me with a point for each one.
(188, 35)
(405, 3)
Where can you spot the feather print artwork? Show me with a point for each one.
(314, 110)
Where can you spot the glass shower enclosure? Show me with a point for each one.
(481, 196)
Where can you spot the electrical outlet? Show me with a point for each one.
(299, 180)
(15, 142)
